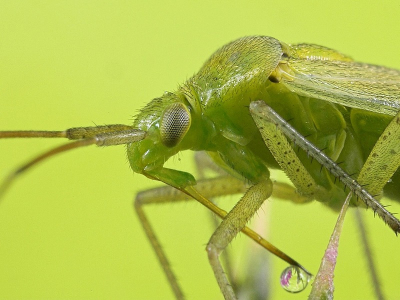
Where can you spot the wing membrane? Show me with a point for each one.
(349, 83)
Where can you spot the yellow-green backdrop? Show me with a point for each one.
(67, 228)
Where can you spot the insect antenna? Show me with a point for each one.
(106, 135)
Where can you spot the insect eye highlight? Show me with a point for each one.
(175, 123)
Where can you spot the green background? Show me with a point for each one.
(67, 228)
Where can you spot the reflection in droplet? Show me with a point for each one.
(294, 279)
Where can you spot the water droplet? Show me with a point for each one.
(294, 279)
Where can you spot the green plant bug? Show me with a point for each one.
(338, 133)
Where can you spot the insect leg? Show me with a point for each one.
(372, 270)
(233, 222)
(249, 284)
(284, 154)
(205, 163)
(226, 185)
(383, 160)
(266, 119)
(380, 166)
(207, 188)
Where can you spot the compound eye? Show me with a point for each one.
(175, 123)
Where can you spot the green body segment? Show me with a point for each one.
(218, 99)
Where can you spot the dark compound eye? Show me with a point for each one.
(175, 124)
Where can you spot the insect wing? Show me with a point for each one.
(348, 83)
